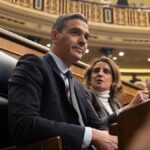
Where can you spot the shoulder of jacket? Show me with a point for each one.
(29, 57)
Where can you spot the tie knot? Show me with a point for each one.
(68, 74)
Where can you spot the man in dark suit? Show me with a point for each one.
(39, 105)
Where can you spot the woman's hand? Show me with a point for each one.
(141, 96)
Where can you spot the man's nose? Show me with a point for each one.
(82, 40)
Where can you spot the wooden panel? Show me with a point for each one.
(16, 48)
(78, 72)
(53, 143)
(129, 122)
(128, 92)
(129, 125)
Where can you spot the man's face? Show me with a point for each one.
(71, 43)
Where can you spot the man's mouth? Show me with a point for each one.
(78, 49)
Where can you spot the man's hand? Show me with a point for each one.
(102, 140)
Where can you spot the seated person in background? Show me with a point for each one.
(41, 102)
(103, 79)
(134, 79)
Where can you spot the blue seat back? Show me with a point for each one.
(7, 64)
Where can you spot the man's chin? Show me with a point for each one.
(78, 57)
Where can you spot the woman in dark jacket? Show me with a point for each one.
(103, 81)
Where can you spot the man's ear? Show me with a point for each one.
(54, 35)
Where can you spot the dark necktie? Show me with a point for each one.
(73, 98)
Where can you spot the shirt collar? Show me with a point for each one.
(60, 64)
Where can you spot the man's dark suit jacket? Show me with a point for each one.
(39, 107)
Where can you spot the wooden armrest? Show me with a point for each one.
(53, 143)
(113, 129)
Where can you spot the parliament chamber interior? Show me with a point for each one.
(119, 30)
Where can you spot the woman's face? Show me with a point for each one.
(101, 77)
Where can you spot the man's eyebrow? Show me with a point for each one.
(78, 29)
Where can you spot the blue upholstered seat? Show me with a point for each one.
(7, 64)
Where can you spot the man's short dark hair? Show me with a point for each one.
(61, 20)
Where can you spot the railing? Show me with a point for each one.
(95, 12)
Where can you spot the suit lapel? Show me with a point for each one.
(49, 59)
(101, 106)
(80, 98)
(51, 63)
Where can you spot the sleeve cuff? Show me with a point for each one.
(87, 137)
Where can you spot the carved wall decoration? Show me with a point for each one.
(52, 7)
(25, 3)
(95, 12)
(38, 4)
(108, 15)
(120, 16)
